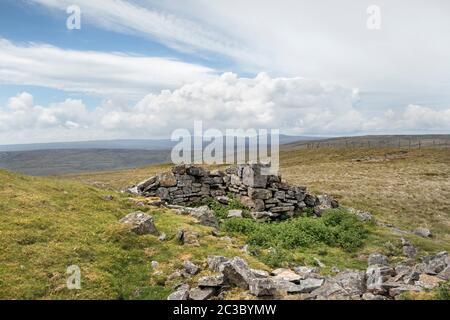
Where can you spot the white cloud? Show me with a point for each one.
(112, 74)
(142, 18)
(294, 105)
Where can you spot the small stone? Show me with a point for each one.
(319, 263)
(211, 281)
(108, 197)
(215, 262)
(377, 259)
(162, 237)
(286, 274)
(234, 214)
(306, 272)
(182, 293)
(190, 267)
(223, 200)
(262, 287)
(428, 282)
(154, 264)
(201, 294)
(423, 232)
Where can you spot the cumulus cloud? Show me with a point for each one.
(107, 74)
(293, 105)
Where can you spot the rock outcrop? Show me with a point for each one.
(267, 196)
(380, 281)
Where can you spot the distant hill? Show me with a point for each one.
(134, 144)
(87, 156)
(376, 141)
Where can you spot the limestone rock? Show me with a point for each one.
(423, 232)
(182, 293)
(201, 293)
(140, 223)
(211, 281)
(190, 267)
(234, 214)
(377, 259)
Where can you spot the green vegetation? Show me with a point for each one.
(48, 224)
(221, 211)
(336, 228)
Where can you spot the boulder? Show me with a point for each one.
(237, 272)
(348, 284)
(140, 223)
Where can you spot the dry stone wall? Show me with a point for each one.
(267, 196)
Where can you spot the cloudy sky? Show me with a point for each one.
(142, 68)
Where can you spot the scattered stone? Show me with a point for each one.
(259, 273)
(377, 259)
(263, 287)
(182, 293)
(190, 267)
(140, 223)
(306, 272)
(154, 264)
(211, 281)
(347, 284)
(237, 272)
(376, 276)
(408, 249)
(361, 215)
(335, 269)
(108, 197)
(223, 200)
(234, 214)
(162, 237)
(174, 275)
(180, 236)
(201, 294)
(319, 263)
(423, 232)
(428, 282)
(286, 274)
(371, 296)
(310, 284)
(215, 262)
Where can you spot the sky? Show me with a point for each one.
(143, 68)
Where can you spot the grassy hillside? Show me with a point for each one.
(48, 224)
(406, 188)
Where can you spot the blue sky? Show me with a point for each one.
(143, 68)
